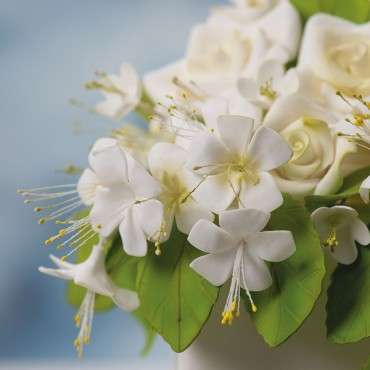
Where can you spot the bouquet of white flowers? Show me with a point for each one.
(253, 168)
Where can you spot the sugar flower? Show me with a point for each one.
(237, 249)
(337, 51)
(167, 165)
(339, 228)
(271, 82)
(124, 197)
(122, 93)
(235, 163)
(224, 48)
(91, 274)
(318, 154)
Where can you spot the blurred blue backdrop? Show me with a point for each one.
(48, 49)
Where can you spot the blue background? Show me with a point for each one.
(48, 50)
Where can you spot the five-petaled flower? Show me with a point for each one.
(339, 228)
(235, 162)
(92, 275)
(237, 249)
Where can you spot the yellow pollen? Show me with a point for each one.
(42, 221)
(331, 241)
(78, 320)
(254, 308)
(98, 226)
(38, 209)
(267, 90)
(64, 258)
(228, 316)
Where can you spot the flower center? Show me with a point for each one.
(267, 90)
(243, 168)
(331, 240)
(174, 191)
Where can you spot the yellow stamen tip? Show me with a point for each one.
(254, 308)
(38, 209)
(42, 221)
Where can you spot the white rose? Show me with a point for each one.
(338, 52)
(223, 49)
(318, 154)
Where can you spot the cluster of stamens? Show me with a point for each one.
(267, 90)
(79, 230)
(83, 320)
(232, 306)
(331, 241)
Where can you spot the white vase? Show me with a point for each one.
(239, 347)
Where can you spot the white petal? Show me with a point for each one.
(216, 268)
(270, 70)
(333, 179)
(364, 190)
(264, 196)
(248, 88)
(205, 153)
(257, 274)
(240, 222)
(269, 149)
(109, 207)
(210, 238)
(282, 25)
(273, 246)
(215, 193)
(130, 81)
(290, 108)
(189, 213)
(360, 232)
(346, 251)
(115, 106)
(149, 215)
(109, 163)
(212, 109)
(87, 185)
(126, 300)
(235, 132)
(166, 157)
(142, 183)
(133, 237)
(58, 273)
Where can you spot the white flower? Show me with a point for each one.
(318, 154)
(122, 93)
(91, 274)
(338, 51)
(277, 19)
(167, 165)
(364, 190)
(238, 249)
(339, 227)
(223, 49)
(123, 197)
(270, 83)
(235, 162)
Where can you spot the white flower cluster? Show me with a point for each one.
(233, 128)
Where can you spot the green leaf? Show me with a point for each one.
(123, 269)
(176, 300)
(297, 281)
(348, 306)
(353, 10)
